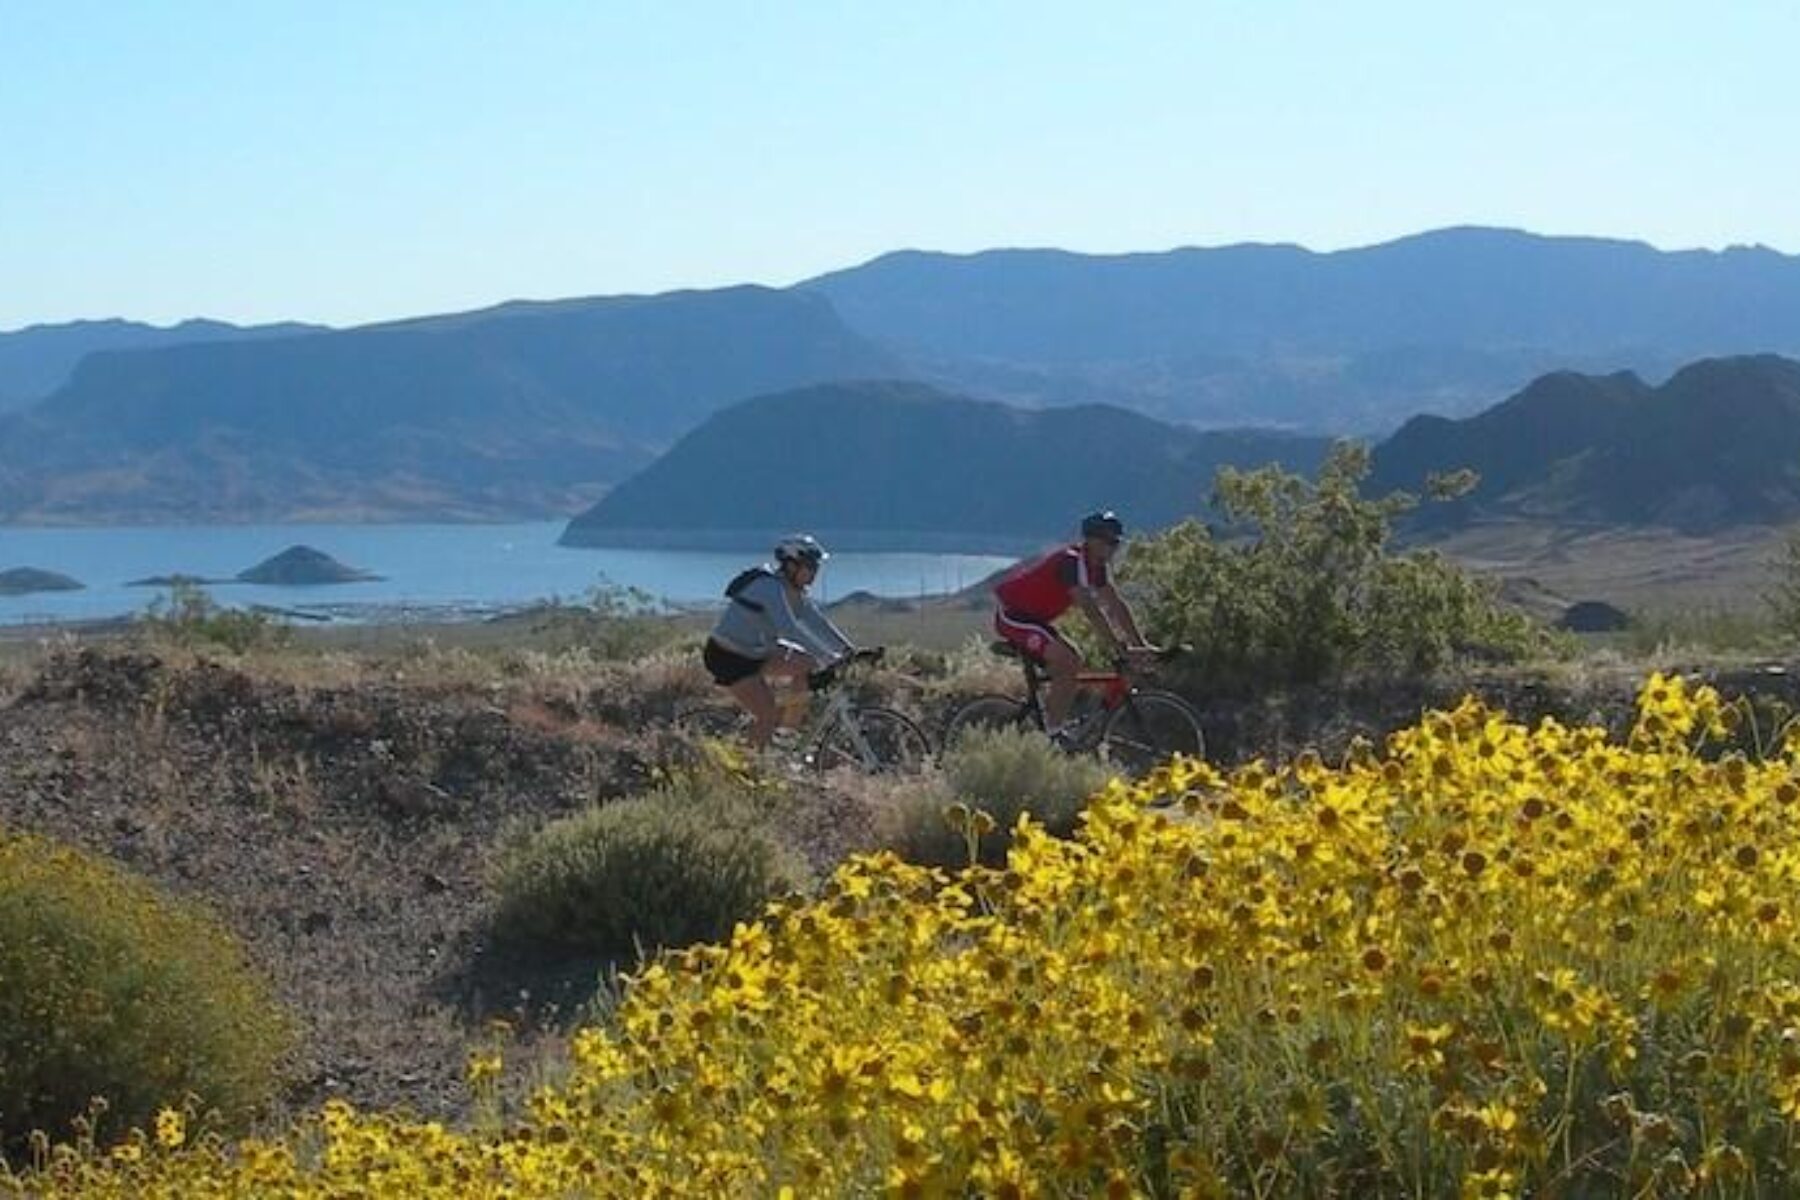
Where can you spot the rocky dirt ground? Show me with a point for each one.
(346, 830)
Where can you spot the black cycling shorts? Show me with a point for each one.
(728, 666)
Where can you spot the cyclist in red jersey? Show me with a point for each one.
(1038, 591)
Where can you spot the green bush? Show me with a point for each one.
(189, 617)
(109, 989)
(613, 622)
(677, 866)
(1307, 587)
(999, 772)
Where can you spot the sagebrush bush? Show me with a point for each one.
(679, 865)
(611, 623)
(1312, 589)
(191, 618)
(999, 772)
(110, 989)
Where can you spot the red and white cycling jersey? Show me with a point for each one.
(1042, 589)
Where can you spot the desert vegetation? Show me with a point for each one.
(1486, 958)
(1473, 910)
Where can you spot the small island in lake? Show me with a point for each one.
(24, 581)
(303, 565)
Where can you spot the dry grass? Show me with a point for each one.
(1635, 569)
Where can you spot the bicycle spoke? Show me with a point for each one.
(1149, 728)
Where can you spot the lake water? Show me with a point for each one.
(431, 572)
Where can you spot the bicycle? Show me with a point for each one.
(838, 733)
(1132, 726)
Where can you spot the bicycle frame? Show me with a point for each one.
(835, 730)
(1122, 716)
(1113, 686)
(839, 710)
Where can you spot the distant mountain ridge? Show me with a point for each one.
(1717, 445)
(37, 360)
(520, 410)
(899, 465)
(536, 408)
(1346, 341)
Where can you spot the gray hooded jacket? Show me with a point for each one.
(762, 616)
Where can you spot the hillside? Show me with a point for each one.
(522, 410)
(35, 361)
(905, 466)
(535, 409)
(1348, 341)
(1717, 445)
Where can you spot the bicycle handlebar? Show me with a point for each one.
(824, 677)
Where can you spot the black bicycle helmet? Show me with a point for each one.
(1103, 525)
(800, 548)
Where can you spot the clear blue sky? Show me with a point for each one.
(345, 162)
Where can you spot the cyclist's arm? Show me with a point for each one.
(1120, 613)
(773, 596)
(1089, 601)
(814, 618)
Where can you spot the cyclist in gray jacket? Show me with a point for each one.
(772, 629)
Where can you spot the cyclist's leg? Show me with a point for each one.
(754, 694)
(742, 677)
(1039, 640)
(1061, 663)
(791, 667)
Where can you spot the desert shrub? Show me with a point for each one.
(188, 616)
(998, 772)
(610, 622)
(649, 688)
(1697, 628)
(110, 989)
(1308, 587)
(679, 865)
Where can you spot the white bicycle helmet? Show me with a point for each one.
(800, 548)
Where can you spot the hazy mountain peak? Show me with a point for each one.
(901, 465)
(38, 359)
(1716, 445)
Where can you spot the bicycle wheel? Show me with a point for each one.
(874, 740)
(988, 712)
(1150, 727)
